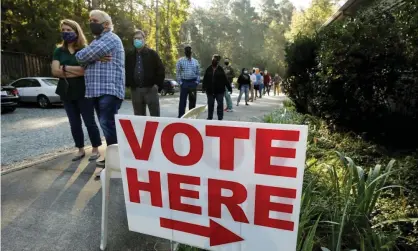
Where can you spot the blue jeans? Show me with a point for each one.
(82, 108)
(261, 90)
(107, 107)
(244, 89)
(188, 89)
(228, 99)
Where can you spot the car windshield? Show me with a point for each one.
(51, 81)
(173, 82)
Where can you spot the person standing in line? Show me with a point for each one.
(214, 83)
(104, 59)
(262, 89)
(253, 84)
(244, 83)
(145, 74)
(188, 76)
(71, 88)
(267, 83)
(258, 81)
(277, 80)
(230, 74)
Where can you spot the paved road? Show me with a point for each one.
(56, 205)
(31, 132)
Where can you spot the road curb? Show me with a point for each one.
(39, 161)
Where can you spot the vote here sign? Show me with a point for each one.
(217, 185)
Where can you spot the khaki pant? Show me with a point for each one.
(143, 97)
(252, 97)
(276, 88)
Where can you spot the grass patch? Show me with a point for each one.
(356, 195)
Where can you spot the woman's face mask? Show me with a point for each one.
(69, 36)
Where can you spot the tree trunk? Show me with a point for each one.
(95, 4)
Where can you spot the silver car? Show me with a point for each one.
(40, 90)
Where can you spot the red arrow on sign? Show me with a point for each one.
(216, 233)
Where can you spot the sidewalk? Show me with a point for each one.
(56, 205)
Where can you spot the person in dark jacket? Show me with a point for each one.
(145, 75)
(214, 83)
(244, 82)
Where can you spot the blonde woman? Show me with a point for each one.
(71, 88)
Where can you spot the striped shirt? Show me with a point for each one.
(187, 69)
(104, 78)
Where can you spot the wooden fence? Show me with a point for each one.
(16, 65)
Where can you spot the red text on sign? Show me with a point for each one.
(264, 150)
(263, 204)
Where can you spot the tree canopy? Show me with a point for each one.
(250, 37)
(32, 26)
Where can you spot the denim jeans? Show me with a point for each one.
(244, 89)
(187, 89)
(261, 89)
(82, 108)
(228, 99)
(107, 107)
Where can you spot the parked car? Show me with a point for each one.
(170, 86)
(9, 98)
(39, 90)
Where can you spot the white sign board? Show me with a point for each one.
(217, 185)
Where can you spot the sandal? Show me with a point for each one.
(78, 157)
(94, 156)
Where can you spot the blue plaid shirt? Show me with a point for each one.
(188, 69)
(104, 78)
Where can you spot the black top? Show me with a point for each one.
(153, 70)
(243, 79)
(215, 81)
(73, 88)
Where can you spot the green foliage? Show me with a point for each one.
(33, 26)
(361, 73)
(235, 29)
(307, 22)
(357, 208)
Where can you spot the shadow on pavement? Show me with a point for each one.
(62, 211)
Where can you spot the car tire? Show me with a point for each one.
(171, 93)
(163, 92)
(43, 101)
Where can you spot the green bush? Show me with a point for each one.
(361, 73)
(345, 204)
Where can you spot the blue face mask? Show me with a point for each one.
(138, 43)
(69, 37)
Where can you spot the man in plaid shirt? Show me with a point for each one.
(188, 76)
(104, 61)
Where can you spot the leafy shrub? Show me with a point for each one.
(361, 73)
(369, 224)
(301, 68)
